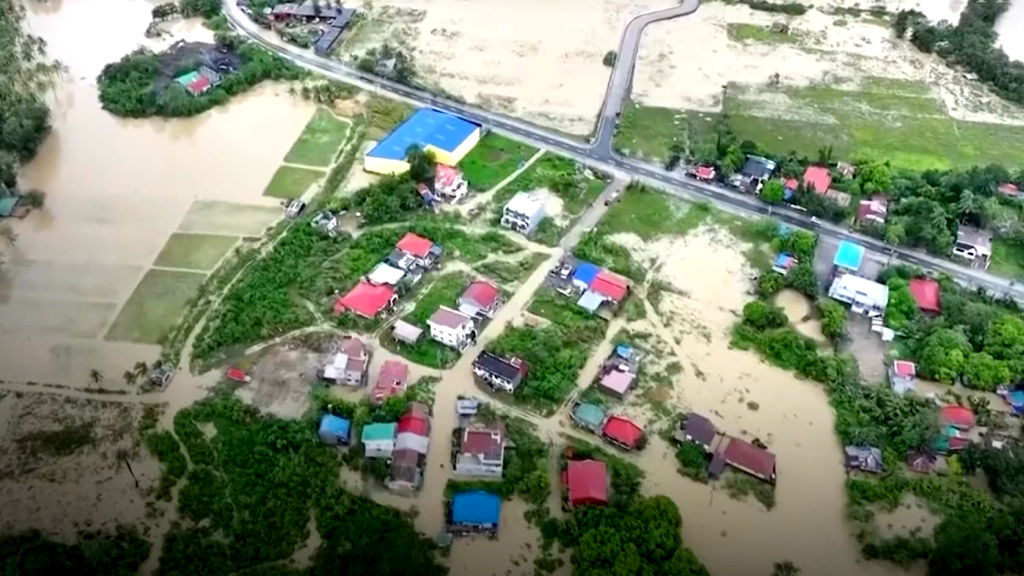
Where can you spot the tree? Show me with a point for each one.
(421, 164)
(141, 369)
(943, 355)
(609, 58)
(983, 372)
(874, 177)
(769, 284)
(833, 319)
(1005, 341)
(773, 192)
(803, 279)
(8, 171)
(785, 568)
(760, 315)
(799, 243)
(96, 377)
(129, 377)
(963, 545)
(902, 308)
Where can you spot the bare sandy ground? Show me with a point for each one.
(684, 63)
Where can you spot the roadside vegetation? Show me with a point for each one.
(506, 273)
(494, 159)
(95, 554)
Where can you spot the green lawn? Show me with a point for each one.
(647, 132)
(194, 251)
(649, 213)
(1007, 259)
(319, 141)
(291, 182)
(493, 159)
(155, 306)
(760, 34)
(443, 292)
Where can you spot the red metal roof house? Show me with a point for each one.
(610, 285)
(622, 432)
(391, 381)
(957, 416)
(366, 299)
(416, 420)
(748, 458)
(927, 294)
(480, 298)
(587, 482)
(818, 179)
(414, 245)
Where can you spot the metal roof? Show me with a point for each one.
(849, 255)
(477, 507)
(426, 127)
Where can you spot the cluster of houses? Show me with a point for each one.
(478, 452)
(348, 365)
(592, 286)
(377, 293)
(615, 429)
(751, 458)
(456, 327)
(335, 17)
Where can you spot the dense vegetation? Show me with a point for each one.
(248, 499)
(141, 85)
(971, 44)
(95, 554)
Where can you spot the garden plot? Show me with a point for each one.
(319, 141)
(155, 306)
(292, 182)
(228, 218)
(194, 251)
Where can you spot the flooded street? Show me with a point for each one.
(1008, 27)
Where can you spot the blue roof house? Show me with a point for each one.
(476, 511)
(447, 136)
(849, 256)
(585, 274)
(335, 430)
(784, 262)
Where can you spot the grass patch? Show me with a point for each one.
(739, 32)
(443, 292)
(194, 251)
(291, 182)
(466, 246)
(649, 213)
(739, 486)
(319, 140)
(228, 218)
(58, 443)
(505, 273)
(383, 114)
(1007, 259)
(648, 132)
(425, 352)
(493, 160)
(155, 306)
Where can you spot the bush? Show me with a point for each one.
(788, 8)
(760, 315)
(693, 461)
(833, 319)
(609, 58)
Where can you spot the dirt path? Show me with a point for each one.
(307, 167)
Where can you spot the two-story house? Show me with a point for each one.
(481, 453)
(348, 366)
(523, 213)
(423, 252)
(504, 374)
(452, 328)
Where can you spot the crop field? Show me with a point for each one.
(319, 141)
(155, 306)
(194, 251)
(228, 218)
(292, 182)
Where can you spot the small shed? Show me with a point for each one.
(405, 332)
(590, 301)
(475, 511)
(866, 458)
(379, 439)
(335, 430)
(589, 416)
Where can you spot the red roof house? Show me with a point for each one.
(199, 86)
(610, 285)
(790, 184)
(417, 246)
(874, 210)
(926, 293)
(366, 299)
(622, 432)
(957, 416)
(1009, 189)
(748, 458)
(414, 421)
(818, 179)
(391, 381)
(446, 176)
(587, 482)
(704, 172)
(479, 298)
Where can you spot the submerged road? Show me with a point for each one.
(600, 154)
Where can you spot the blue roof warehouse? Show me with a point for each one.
(449, 137)
(475, 511)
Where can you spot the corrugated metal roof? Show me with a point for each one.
(426, 127)
(477, 507)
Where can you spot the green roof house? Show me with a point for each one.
(589, 416)
(379, 439)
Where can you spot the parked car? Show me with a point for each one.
(295, 208)
(564, 270)
(612, 197)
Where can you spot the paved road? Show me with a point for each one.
(600, 156)
(620, 83)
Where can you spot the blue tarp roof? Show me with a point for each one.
(1017, 398)
(477, 507)
(585, 272)
(426, 127)
(335, 425)
(624, 351)
(590, 301)
(849, 255)
(783, 260)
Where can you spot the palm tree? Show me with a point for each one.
(95, 376)
(786, 568)
(140, 369)
(129, 377)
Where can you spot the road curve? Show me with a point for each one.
(688, 189)
(620, 84)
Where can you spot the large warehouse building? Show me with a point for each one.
(449, 137)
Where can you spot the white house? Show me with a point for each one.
(384, 273)
(864, 296)
(481, 453)
(379, 440)
(449, 184)
(523, 213)
(452, 328)
(902, 376)
(348, 366)
(974, 245)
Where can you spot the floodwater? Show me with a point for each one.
(800, 313)
(1008, 28)
(116, 190)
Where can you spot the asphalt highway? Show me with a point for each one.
(600, 154)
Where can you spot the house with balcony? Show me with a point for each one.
(452, 328)
(504, 374)
(481, 453)
(523, 213)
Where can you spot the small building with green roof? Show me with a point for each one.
(379, 439)
(589, 416)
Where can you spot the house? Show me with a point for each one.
(697, 429)
(817, 179)
(616, 383)
(586, 482)
(481, 453)
(1014, 398)
(789, 188)
(402, 331)
(959, 417)
(449, 185)
(849, 257)
(1009, 189)
(303, 11)
(391, 381)
(367, 300)
(610, 285)
(349, 364)
(950, 439)
(755, 171)
(784, 262)
(423, 252)
(474, 512)
(864, 458)
(927, 295)
(902, 376)
(329, 37)
(745, 457)
(584, 274)
(406, 473)
(588, 416)
(403, 261)
(384, 273)
(447, 136)
(839, 197)
(505, 374)
(623, 432)
(480, 299)
(922, 462)
(864, 296)
(379, 439)
(334, 430)
(974, 245)
(873, 211)
(704, 173)
(846, 169)
(413, 431)
(195, 83)
(523, 213)
(452, 328)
